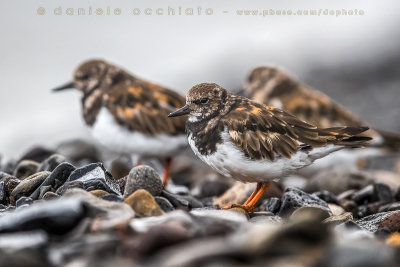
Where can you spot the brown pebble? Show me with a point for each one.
(143, 203)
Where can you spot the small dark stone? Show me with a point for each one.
(26, 168)
(182, 202)
(397, 194)
(58, 177)
(213, 187)
(390, 207)
(28, 185)
(383, 193)
(95, 176)
(50, 195)
(294, 198)
(364, 195)
(143, 177)
(69, 185)
(43, 190)
(3, 197)
(113, 198)
(368, 209)
(272, 204)
(11, 184)
(350, 206)
(51, 163)
(121, 182)
(327, 196)
(37, 154)
(79, 150)
(120, 167)
(23, 201)
(164, 204)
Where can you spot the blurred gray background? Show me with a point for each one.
(354, 59)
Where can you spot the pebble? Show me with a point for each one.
(383, 193)
(29, 184)
(339, 180)
(3, 197)
(272, 204)
(364, 195)
(37, 154)
(307, 211)
(336, 210)
(95, 176)
(79, 150)
(56, 179)
(51, 162)
(339, 219)
(23, 201)
(50, 195)
(391, 223)
(164, 204)
(371, 223)
(182, 202)
(25, 169)
(55, 217)
(143, 177)
(143, 203)
(327, 196)
(113, 198)
(70, 185)
(99, 193)
(389, 207)
(295, 198)
(211, 187)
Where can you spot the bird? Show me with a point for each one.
(274, 86)
(255, 143)
(127, 114)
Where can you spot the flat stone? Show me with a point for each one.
(327, 196)
(50, 196)
(314, 212)
(143, 203)
(294, 198)
(182, 202)
(143, 177)
(113, 198)
(55, 217)
(25, 169)
(272, 204)
(390, 207)
(364, 195)
(336, 210)
(164, 204)
(29, 184)
(95, 176)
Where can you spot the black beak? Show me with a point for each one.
(67, 86)
(179, 112)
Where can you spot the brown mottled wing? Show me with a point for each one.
(262, 132)
(144, 107)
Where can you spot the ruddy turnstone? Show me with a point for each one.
(252, 142)
(273, 86)
(127, 114)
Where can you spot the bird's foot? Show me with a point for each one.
(247, 208)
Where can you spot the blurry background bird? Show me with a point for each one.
(273, 86)
(127, 114)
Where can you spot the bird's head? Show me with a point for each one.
(203, 101)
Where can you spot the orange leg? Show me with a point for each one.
(253, 199)
(167, 170)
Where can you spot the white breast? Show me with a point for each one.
(231, 162)
(120, 140)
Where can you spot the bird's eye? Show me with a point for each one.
(204, 100)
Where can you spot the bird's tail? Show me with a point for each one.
(346, 136)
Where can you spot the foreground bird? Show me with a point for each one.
(273, 86)
(252, 142)
(127, 114)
